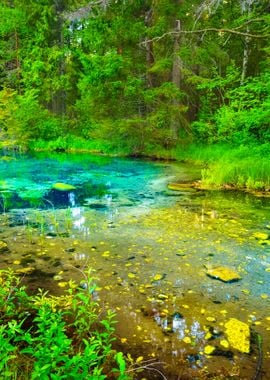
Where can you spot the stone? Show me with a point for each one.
(3, 247)
(238, 335)
(63, 186)
(224, 274)
(208, 350)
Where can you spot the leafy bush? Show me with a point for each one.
(55, 337)
(22, 119)
(242, 118)
(244, 167)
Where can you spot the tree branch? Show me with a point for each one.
(218, 30)
(83, 12)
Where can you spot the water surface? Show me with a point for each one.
(150, 248)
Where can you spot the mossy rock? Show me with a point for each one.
(60, 186)
(224, 274)
(238, 334)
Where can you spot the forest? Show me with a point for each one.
(155, 78)
(134, 189)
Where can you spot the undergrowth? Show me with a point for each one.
(55, 337)
(243, 167)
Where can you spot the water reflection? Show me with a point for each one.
(78, 219)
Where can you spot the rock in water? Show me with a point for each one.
(224, 274)
(3, 247)
(238, 334)
(63, 186)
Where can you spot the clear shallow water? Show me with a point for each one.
(27, 181)
(150, 248)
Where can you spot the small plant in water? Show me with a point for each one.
(55, 337)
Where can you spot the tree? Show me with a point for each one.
(136, 71)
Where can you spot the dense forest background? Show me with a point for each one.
(134, 73)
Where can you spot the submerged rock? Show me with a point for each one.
(17, 217)
(238, 334)
(3, 247)
(60, 186)
(224, 274)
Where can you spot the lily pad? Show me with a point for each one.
(60, 186)
(224, 274)
(238, 334)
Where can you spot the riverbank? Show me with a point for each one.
(245, 167)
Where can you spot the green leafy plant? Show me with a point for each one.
(56, 337)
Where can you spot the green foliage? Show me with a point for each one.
(243, 118)
(109, 74)
(55, 337)
(244, 166)
(22, 118)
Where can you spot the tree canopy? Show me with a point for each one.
(135, 72)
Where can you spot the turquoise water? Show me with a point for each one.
(27, 181)
(150, 248)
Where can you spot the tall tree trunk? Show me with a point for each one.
(58, 97)
(18, 65)
(149, 50)
(245, 58)
(176, 79)
(246, 7)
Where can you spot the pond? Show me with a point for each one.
(158, 255)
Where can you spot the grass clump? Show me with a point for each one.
(55, 337)
(246, 167)
(242, 167)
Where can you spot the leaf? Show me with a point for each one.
(119, 357)
(139, 359)
(157, 277)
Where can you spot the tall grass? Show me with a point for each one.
(242, 167)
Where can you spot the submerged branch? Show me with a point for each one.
(147, 365)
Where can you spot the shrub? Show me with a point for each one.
(55, 337)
